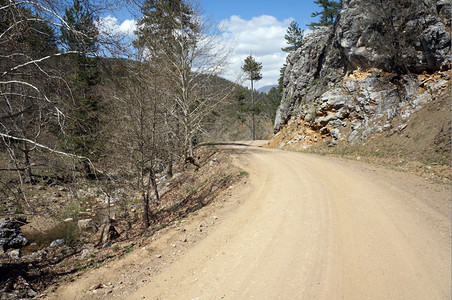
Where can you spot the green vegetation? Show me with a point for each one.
(68, 278)
(328, 14)
(68, 114)
(190, 191)
(71, 209)
(294, 37)
(80, 39)
(252, 68)
(243, 174)
(274, 99)
(315, 81)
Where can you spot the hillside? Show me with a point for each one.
(374, 82)
(266, 88)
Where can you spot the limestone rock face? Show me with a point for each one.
(404, 35)
(316, 59)
(380, 60)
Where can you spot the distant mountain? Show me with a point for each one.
(266, 88)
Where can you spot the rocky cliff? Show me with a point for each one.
(382, 60)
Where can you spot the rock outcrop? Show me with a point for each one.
(11, 236)
(381, 60)
(402, 36)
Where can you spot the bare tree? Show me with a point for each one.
(140, 133)
(31, 81)
(175, 36)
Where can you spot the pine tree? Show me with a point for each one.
(83, 34)
(253, 70)
(328, 14)
(25, 114)
(83, 128)
(159, 29)
(274, 100)
(294, 37)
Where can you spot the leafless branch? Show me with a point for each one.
(36, 61)
(7, 136)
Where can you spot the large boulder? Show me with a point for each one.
(11, 236)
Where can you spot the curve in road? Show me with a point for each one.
(318, 228)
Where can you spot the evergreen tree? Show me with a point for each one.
(83, 34)
(240, 96)
(23, 30)
(253, 70)
(281, 76)
(24, 39)
(168, 33)
(82, 38)
(274, 100)
(275, 93)
(159, 31)
(328, 14)
(173, 36)
(83, 128)
(294, 37)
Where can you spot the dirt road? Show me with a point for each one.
(318, 228)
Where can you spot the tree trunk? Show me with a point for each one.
(253, 128)
(28, 174)
(169, 167)
(146, 217)
(88, 171)
(169, 156)
(154, 186)
(190, 148)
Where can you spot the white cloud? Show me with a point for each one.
(262, 37)
(111, 26)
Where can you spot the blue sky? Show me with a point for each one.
(258, 28)
(252, 27)
(299, 10)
